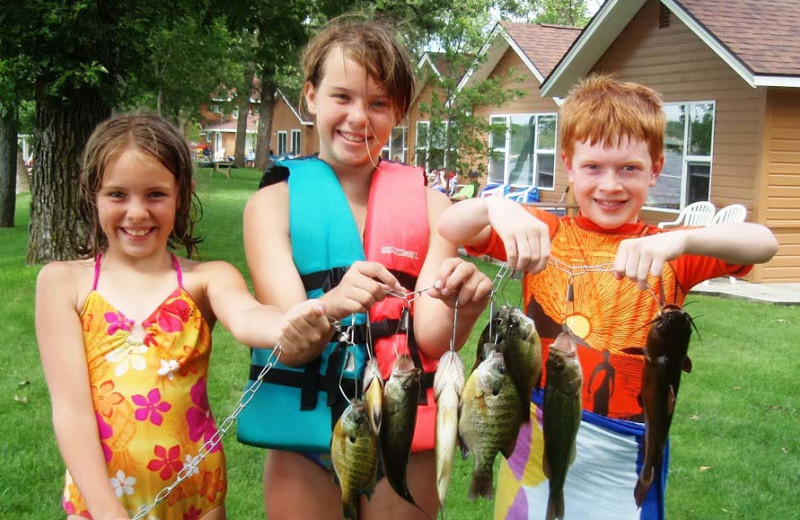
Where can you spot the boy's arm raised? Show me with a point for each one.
(60, 338)
(526, 239)
(735, 243)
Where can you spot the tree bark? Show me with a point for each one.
(62, 130)
(265, 117)
(241, 123)
(8, 166)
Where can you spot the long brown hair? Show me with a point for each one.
(154, 137)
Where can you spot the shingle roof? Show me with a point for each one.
(762, 33)
(544, 44)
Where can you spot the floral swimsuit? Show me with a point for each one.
(151, 403)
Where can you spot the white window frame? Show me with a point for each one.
(296, 142)
(536, 150)
(281, 149)
(389, 152)
(418, 147)
(691, 159)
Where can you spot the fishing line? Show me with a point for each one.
(455, 325)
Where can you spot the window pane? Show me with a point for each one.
(545, 169)
(701, 121)
(422, 134)
(523, 143)
(546, 133)
(397, 144)
(667, 191)
(419, 157)
(699, 181)
(497, 137)
(497, 150)
(497, 168)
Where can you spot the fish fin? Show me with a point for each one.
(571, 455)
(464, 448)
(687, 365)
(508, 449)
(643, 485)
(546, 467)
(634, 351)
(481, 486)
(671, 400)
(349, 510)
(555, 506)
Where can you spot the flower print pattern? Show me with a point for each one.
(106, 432)
(213, 483)
(189, 461)
(192, 514)
(166, 461)
(127, 356)
(172, 316)
(105, 398)
(168, 368)
(151, 406)
(122, 484)
(117, 321)
(199, 418)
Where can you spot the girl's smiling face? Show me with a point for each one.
(136, 205)
(354, 115)
(610, 183)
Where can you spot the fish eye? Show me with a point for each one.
(499, 321)
(495, 392)
(501, 369)
(352, 438)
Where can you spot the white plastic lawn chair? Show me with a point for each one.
(733, 213)
(520, 196)
(695, 214)
(491, 192)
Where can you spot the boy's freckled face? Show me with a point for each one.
(610, 183)
(354, 116)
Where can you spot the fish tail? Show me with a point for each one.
(555, 506)
(643, 485)
(350, 509)
(481, 486)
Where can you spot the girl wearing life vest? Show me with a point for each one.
(346, 227)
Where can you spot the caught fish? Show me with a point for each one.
(490, 420)
(561, 417)
(400, 397)
(447, 386)
(665, 356)
(354, 454)
(373, 394)
(514, 334)
(522, 351)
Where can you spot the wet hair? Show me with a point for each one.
(602, 109)
(372, 44)
(156, 138)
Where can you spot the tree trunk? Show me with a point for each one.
(265, 117)
(8, 166)
(62, 131)
(23, 177)
(241, 123)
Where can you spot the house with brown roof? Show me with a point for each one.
(729, 74)
(525, 148)
(293, 132)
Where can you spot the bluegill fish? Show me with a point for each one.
(448, 384)
(490, 420)
(561, 417)
(400, 398)
(373, 394)
(522, 351)
(665, 356)
(354, 454)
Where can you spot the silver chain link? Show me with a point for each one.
(216, 438)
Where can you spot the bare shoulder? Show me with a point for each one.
(206, 272)
(70, 279)
(268, 197)
(437, 202)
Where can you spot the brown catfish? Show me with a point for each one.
(665, 356)
(400, 398)
(561, 417)
(354, 454)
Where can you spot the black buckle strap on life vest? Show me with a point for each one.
(309, 385)
(326, 279)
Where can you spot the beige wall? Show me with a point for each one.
(780, 193)
(284, 120)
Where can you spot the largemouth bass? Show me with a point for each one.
(665, 356)
(354, 454)
(373, 394)
(400, 397)
(522, 351)
(561, 417)
(490, 420)
(448, 384)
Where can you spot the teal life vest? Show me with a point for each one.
(296, 407)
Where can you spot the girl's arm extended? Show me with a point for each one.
(433, 311)
(60, 337)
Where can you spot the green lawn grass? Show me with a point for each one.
(735, 437)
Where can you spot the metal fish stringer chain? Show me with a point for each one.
(216, 438)
(455, 326)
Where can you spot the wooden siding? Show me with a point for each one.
(781, 192)
(518, 76)
(682, 68)
(284, 120)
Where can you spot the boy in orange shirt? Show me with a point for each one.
(612, 134)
